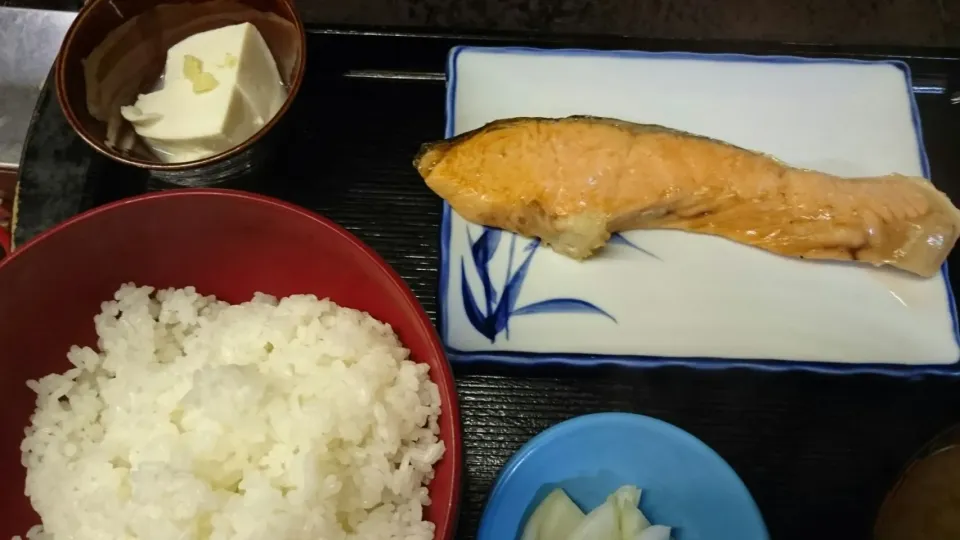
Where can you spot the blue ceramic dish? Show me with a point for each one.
(685, 484)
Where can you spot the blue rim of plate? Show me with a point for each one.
(547, 435)
(522, 358)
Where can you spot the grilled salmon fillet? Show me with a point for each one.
(574, 181)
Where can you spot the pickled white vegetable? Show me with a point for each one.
(632, 520)
(654, 532)
(618, 518)
(555, 517)
(601, 524)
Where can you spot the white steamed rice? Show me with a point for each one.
(296, 419)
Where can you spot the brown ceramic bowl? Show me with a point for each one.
(924, 504)
(116, 50)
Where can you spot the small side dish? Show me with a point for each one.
(217, 90)
(689, 486)
(572, 182)
(176, 87)
(290, 418)
(618, 518)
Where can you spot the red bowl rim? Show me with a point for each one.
(446, 384)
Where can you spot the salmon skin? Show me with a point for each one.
(574, 181)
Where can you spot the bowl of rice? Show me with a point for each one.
(213, 364)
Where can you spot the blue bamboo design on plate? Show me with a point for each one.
(492, 316)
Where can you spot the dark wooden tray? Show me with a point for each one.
(818, 452)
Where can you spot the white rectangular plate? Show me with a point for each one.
(669, 297)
